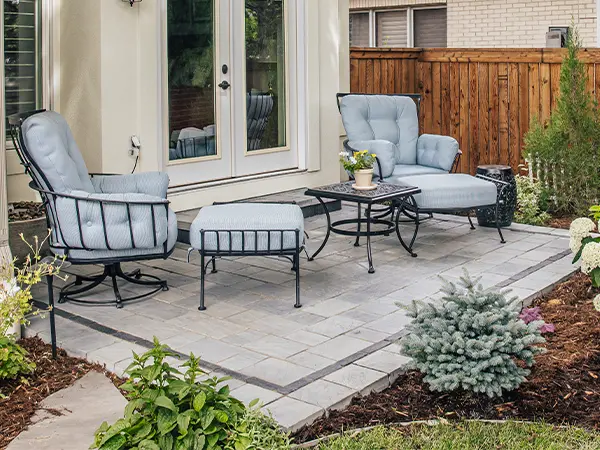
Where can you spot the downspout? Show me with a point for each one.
(5, 255)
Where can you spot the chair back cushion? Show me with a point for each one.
(54, 155)
(258, 110)
(383, 117)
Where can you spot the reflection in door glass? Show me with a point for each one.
(265, 74)
(191, 40)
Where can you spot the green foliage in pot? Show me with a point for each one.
(532, 201)
(474, 340)
(170, 410)
(565, 151)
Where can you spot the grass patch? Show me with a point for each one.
(469, 436)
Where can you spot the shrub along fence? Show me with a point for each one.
(485, 98)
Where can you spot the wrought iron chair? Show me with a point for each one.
(258, 110)
(94, 219)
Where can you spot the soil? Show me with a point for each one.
(561, 222)
(25, 211)
(563, 388)
(19, 401)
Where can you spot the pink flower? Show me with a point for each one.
(547, 328)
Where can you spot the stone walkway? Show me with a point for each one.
(342, 342)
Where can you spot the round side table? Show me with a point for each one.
(508, 201)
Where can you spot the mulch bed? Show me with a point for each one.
(561, 222)
(21, 400)
(563, 388)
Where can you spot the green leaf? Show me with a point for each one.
(179, 388)
(166, 442)
(144, 430)
(207, 419)
(584, 242)
(199, 402)
(114, 443)
(183, 422)
(132, 406)
(151, 373)
(165, 402)
(212, 440)
(254, 402)
(595, 277)
(221, 416)
(148, 445)
(200, 441)
(114, 430)
(166, 420)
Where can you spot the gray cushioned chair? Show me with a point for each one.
(388, 125)
(98, 219)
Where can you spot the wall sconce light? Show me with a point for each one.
(131, 2)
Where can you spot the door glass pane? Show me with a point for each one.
(191, 43)
(265, 74)
(22, 56)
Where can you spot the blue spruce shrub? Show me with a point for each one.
(473, 341)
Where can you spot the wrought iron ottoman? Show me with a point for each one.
(248, 229)
(451, 193)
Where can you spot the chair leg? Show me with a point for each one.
(470, 220)
(297, 266)
(502, 241)
(202, 307)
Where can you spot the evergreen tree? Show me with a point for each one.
(565, 152)
(473, 341)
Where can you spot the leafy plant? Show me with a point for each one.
(262, 430)
(170, 410)
(358, 161)
(529, 315)
(565, 151)
(531, 201)
(586, 247)
(595, 212)
(474, 340)
(13, 359)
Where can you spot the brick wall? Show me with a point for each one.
(190, 107)
(516, 23)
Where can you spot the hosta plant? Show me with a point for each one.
(170, 410)
(473, 341)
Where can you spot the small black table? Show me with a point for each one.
(486, 217)
(385, 192)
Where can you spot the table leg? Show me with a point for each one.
(312, 258)
(50, 282)
(408, 248)
(357, 242)
(369, 252)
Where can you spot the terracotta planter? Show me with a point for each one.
(363, 178)
(29, 228)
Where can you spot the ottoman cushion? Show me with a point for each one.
(451, 191)
(248, 216)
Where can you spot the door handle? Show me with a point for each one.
(224, 85)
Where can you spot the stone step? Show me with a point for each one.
(310, 207)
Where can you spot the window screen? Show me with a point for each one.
(359, 30)
(430, 27)
(22, 55)
(391, 29)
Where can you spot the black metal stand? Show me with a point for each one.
(50, 282)
(112, 271)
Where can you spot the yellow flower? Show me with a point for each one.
(373, 155)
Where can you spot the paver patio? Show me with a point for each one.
(342, 342)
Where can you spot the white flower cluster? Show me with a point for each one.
(8, 289)
(579, 230)
(347, 156)
(590, 257)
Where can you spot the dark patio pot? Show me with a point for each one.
(29, 228)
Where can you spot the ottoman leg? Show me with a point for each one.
(214, 265)
(202, 277)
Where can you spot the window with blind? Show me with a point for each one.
(391, 29)
(22, 55)
(359, 30)
(430, 27)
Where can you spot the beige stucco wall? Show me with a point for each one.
(504, 23)
(109, 85)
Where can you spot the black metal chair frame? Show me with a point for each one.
(112, 266)
(292, 254)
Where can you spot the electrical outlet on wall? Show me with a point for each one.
(136, 145)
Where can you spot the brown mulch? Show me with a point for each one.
(19, 401)
(563, 388)
(561, 222)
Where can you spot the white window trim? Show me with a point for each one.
(410, 37)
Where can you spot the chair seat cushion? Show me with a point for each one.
(409, 170)
(235, 225)
(451, 191)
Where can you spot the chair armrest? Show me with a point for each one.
(150, 183)
(85, 221)
(437, 151)
(385, 152)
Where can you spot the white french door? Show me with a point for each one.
(232, 87)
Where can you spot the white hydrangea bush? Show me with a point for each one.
(474, 340)
(586, 247)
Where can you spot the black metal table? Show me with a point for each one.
(385, 192)
(507, 193)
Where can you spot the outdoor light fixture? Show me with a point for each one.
(131, 2)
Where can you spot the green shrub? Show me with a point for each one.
(473, 341)
(565, 152)
(532, 201)
(168, 410)
(13, 359)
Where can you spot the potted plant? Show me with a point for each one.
(27, 219)
(360, 165)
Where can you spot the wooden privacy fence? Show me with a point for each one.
(485, 98)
